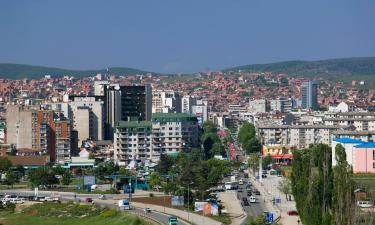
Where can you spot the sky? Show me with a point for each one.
(183, 36)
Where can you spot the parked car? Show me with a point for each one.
(264, 176)
(364, 204)
(147, 210)
(252, 199)
(88, 200)
(257, 192)
(292, 213)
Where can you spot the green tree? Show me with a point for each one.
(253, 145)
(5, 164)
(285, 187)
(246, 132)
(66, 178)
(42, 176)
(165, 164)
(253, 161)
(58, 170)
(267, 160)
(343, 191)
(124, 172)
(20, 170)
(154, 179)
(11, 178)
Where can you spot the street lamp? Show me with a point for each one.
(189, 199)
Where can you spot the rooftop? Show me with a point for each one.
(348, 140)
(173, 117)
(366, 145)
(133, 124)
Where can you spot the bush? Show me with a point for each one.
(109, 213)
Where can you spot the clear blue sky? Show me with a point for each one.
(183, 36)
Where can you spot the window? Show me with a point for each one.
(373, 154)
(170, 128)
(373, 165)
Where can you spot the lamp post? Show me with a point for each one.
(189, 199)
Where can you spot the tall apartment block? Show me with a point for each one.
(126, 103)
(167, 101)
(141, 141)
(309, 95)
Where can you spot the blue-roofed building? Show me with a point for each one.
(359, 154)
(348, 144)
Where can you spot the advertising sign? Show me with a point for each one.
(214, 209)
(207, 209)
(198, 206)
(177, 200)
(88, 180)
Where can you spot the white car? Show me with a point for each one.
(364, 204)
(252, 199)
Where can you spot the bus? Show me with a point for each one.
(172, 220)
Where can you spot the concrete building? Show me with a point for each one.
(200, 111)
(133, 143)
(360, 155)
(186, 104)
(125, 103)
(88, 116)
(166, 101)
(300, 136)
(258, 106)
(281, 104)
(360, 121)
(99, 87)
(309, 94)
(63, 141)
(174, 132)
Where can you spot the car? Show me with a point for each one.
(252, 199)
(292, 213)
(246, 203)
(364, 204)
(88, 200)
(257, 192)
(147, 210)
(264, 176)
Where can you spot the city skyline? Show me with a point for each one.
(172, 37)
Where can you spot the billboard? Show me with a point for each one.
(88, 180)
(207, 209)
(177, 200)
(214, 209)
(198, 206)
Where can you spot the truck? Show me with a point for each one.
(124, 204)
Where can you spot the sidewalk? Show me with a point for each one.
(269, 187)
(233, 207)
(188, 216)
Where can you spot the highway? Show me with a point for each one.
(68, 196)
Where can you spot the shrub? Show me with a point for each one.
(109, 213)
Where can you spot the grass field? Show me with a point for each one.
(68, 214)
(365, 180)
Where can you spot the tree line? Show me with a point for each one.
(325, 194)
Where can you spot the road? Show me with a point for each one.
(67, 196)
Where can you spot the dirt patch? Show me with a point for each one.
(20, 207)
(162, 201)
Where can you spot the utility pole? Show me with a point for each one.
(260, 168)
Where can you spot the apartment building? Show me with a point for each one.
(174, 132)
(300, 136)
(167, 101)
(281, 104)
(360, 121)
(133, 143)
(258, 106)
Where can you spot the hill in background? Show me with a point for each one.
(346, 69)
(19, 71)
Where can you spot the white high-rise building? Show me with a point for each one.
(165, 101)
(186, 104)
(99, 88)
(257, 106)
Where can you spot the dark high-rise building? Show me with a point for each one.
(309, 94)
(126, 103)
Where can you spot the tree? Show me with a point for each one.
(165, 164)
(11, 178)
(343, 191)
(253, 161)
(43, 176)
(267, 160)
(285, 187)
(253, 145)
(155, 179)
(246, 132)
(20, 170)
(124, 172)
(58, 170)
(66, 178)
(5, 164)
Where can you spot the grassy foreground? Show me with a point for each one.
(68, 214)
